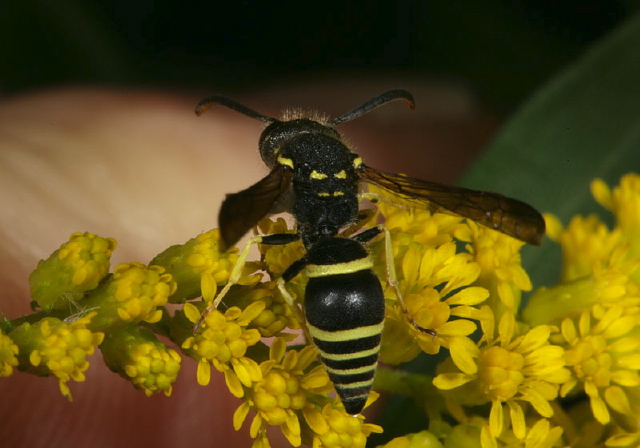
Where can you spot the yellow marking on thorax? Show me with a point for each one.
(285, 161)
(337, 193)
(321, 270)
(317, 175)
(357, 162)
(341, 175)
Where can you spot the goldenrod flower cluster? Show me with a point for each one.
(137, 355)
(51, 346)
(511, 372)
(70, 271)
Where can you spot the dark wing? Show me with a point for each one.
(241, 211)
(509, 216)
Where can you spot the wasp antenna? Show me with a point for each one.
(225, 101)
(374, 103)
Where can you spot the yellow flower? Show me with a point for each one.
(624, 203)
(334, 428)
(133, 294)
(222, 341)
(54, 347)
(603, 359)
(586, 244)
(435, 283)
(501, 271)
(512, 368)
(76, 267)
(137, 355)
(276, 317)
(277, 258)
(197, 258)
(280, 396)
(540, 435)
(431, 229)
(608, 286)
(8, 355)
(422, 439)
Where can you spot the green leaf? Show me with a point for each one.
(583, 124)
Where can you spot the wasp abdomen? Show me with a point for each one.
(344, 307)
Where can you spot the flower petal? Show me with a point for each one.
(617, 399)
(540, 404)
(191, 312)
(472, 295)
(315, 419)
(203, 374)
(463, 351)
(240, 415)
(517, 420)
(447, 381)
(496, 418)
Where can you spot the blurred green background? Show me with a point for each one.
(502, 50)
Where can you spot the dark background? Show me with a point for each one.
(502, 50)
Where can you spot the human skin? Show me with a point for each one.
(142, 168)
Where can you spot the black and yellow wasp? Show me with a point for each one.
(318, 179)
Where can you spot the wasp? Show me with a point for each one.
(317, 178)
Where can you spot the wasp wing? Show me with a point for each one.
(493, 210)
(241, 211)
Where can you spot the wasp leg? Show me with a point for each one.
(371, 197)
(392, 279)
(297, 312)
(233, 279)
(236, 272)
(361, 219)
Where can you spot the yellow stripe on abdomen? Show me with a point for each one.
(345, 335)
